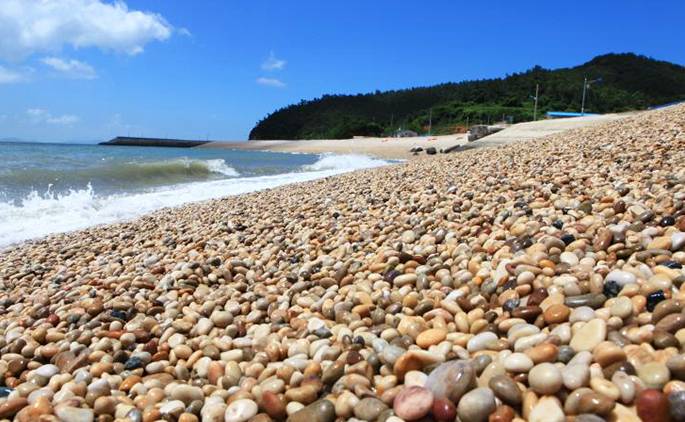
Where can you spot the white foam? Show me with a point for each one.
(39, 215)
(220, 166)
(344, 162)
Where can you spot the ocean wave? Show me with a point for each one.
(329, 161)
(38, 215)
(125, 174)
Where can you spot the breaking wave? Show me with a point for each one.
(38, 215)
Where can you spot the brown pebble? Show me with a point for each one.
(556, 314)
(595, 403)
(652, 406)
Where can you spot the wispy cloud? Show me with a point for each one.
(29, 26)
(272, 63)
(40, 116)
(8, 76)
(71, 68)
(184, 31)
(272, 82)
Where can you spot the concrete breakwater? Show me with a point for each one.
(153, 142)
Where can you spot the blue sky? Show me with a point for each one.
(86, 70)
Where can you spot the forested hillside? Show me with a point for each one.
(627, 82)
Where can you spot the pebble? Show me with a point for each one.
(506, 389)
(368, 409)
(476, 405)
(451, 380)
(319, 411)
(518, 362)
(589, 335)
(413, 403)
(556, 314)
(74, 414)
(444, 410)
(596, 404)
(575, 376)
(430, 337)
(622, 307)
(676, 401)
(652, 406)
(547, 409)
(654, 374)
(545, 378)
(486, 284)
(481, 341)
(241, 410)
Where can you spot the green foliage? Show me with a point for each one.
(629, 82)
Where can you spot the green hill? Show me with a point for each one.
(628, 82)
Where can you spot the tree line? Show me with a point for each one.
(627, 82)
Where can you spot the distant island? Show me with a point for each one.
(616, 82)
(153, 142)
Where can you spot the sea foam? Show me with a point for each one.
(38, 214)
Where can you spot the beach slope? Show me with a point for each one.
(328, 299)
(400, 148)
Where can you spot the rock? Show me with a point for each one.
(430, 337)
(74, 414)
(10, 407)
(413, 403)
(506, 390)
(654, 374)
(545, 378)
(476, 405)
(444, 410)
(652, 406)
(622, 307)
(676, 401)
(518, 362)
(575, 376)
(368, 409)
(241, 410)
(621, 277)
(556, 314)
(47, 371)
(671, 323)
(595, 403)
(33, 412)
(319, 411)
(451, 380)
(481, 341)
(502, 413)
(589, 335)
(594, 301)
(187, 393)
(547, 409)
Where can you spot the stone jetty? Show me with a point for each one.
(540, 281)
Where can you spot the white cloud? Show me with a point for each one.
(273, 82)
(30, 26)
(39, 116)
(8, 76)
(272, 63)
(185, 32)
(71, 68)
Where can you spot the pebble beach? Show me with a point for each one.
(538, 281)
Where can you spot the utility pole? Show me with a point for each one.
(535, 109)
(586, 85)
(582, 105)
(430, 121)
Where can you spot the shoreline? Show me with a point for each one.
(364, 294)
(399, 148)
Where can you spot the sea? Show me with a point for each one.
(53, 188)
